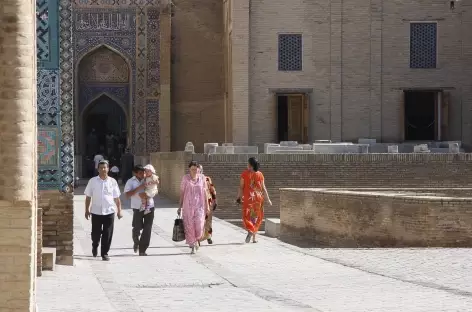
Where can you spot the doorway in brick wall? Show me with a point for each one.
(425, 115)
(292, 117)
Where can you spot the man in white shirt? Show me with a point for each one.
(102, 201)
(141, 222)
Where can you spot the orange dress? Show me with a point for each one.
(253, 200)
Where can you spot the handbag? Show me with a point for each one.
(178, 233)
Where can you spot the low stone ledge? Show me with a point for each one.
(377, 217)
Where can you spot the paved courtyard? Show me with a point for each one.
(268, 276)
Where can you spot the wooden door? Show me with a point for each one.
(295, 117)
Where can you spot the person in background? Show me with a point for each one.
(97, 159)
(251, 194)
(115, 172)
(102, 202)
(211, 197)
(193, 205)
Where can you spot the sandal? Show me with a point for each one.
(248, 237)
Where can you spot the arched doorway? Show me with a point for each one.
(103, 101)
(104, 123)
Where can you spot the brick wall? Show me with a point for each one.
(353, 218)
(355, 61)
(39, 239)
(58, 224)
(281, 171)
(197, 73)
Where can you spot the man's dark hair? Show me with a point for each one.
(138, 168)
(103, 162)
(193, 163)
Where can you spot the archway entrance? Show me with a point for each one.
(103, 97)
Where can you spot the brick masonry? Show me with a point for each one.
(355, 64)
(376, 218)
(58, 224)
(282, 171)
(39, 239)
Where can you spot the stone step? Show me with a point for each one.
(49, 258)
(272, 227)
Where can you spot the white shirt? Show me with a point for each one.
(98, 158)
(103, 194)
(136, 202)
(115, 169)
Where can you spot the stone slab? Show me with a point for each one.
(209, 148)
(49, 258)
(246, 150)
(367, 141)
(341, 148)
(272, 227)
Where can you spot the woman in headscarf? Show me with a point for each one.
(211, 197)
(193, 205)
(251, 194)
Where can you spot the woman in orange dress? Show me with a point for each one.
(252, 189)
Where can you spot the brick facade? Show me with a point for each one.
(58, 224)
(376, 218)
(281, 171)
(355, 66)
(18, 156)
(39, 245)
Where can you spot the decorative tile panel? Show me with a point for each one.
(152, 124)
(153, 49)
(91, 92)
(423, 45)
(47, 33)
(66, 87)
(48, 148)
(48, 105)
(290, 52)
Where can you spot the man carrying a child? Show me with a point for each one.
(142, 205)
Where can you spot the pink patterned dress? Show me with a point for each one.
(193, 207)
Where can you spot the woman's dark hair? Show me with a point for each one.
(254, 163)
(193, 163)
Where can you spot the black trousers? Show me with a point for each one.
(142, 222)
(102, 228)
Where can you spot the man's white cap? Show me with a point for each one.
(150, 167)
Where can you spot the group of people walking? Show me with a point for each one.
(197, 203)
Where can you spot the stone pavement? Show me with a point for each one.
(268, 276)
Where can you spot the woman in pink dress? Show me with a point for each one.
(193, 205)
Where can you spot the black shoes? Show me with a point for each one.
(94, 251)
(142, 254)
(135, 248)
(209, 241)
(105, 258)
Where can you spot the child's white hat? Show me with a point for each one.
(151, 168)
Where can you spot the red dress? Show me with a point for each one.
(253, 200)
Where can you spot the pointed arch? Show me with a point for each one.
(78, 118)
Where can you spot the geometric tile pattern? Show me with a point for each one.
(47, 49)
(290, 52)
(88, 93)
(66, 94)
(423, 42)
(48, 102)
(152, 124)
(48, 149)
(48, 95)
(114, 28)
(42, 30)
(141, 87)
(153, 48)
